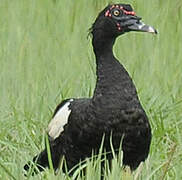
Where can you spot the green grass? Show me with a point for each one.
(45, 56)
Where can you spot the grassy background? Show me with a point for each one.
(45, 56)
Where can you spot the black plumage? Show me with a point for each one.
(78, 125)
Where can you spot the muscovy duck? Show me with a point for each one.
(78, 125)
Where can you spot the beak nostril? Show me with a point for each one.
(138, 18)
(138, 22)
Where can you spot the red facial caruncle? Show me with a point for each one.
(108, 13)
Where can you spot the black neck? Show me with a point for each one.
(102, 44)
(112, 79)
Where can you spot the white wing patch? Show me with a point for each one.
(60, 119)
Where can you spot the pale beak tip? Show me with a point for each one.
(152, 30)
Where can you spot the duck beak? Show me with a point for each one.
(137, 25)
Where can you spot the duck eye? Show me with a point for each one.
(116, 12)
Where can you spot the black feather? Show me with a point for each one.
(114, 108)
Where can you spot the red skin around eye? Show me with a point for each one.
(107, 13)
(113, 6)
(129, 12)
(119, 27)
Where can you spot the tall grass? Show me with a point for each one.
(45, 56)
